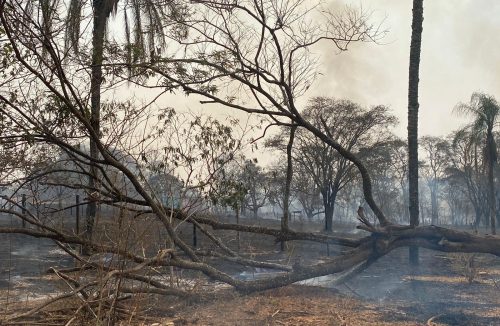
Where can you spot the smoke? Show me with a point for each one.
(459, 56)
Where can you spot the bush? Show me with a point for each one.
(466, 265)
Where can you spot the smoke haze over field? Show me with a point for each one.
(459, 33)
(460, 49)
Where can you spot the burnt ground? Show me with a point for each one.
(389, 292)
(23, 261)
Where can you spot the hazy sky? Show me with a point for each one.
(460, 55)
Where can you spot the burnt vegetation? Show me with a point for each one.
(147, 200)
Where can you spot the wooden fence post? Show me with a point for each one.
(195, 240)
(77, 215)
(23, 201)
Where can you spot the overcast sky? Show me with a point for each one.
(460, 55)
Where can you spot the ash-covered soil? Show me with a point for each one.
(389, 292)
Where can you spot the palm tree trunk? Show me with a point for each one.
(98, 34)
(491, 184)
(237, 209)
(255, 210)
(413, 105)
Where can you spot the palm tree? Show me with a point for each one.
(415, 46)
(148, 29)
(485, 112)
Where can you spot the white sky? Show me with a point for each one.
(460, 55)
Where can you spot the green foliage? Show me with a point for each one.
(228, 192)
(485, 112)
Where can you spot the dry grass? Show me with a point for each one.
(466, 265)
(291, 305)
(436, 278)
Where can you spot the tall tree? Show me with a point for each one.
(102, 10)
(399, 165)
(485, 111)
(155, 13)
(302, 186)
(288, 183)
(352, 126)
(413, 79)
(436, 161)
(384, 159)
(307, 192)
(467, 166)
(255, 181)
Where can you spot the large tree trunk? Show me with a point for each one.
(497, 214)
(413, 105)
(434, 205)
(491, 184)
(478, 217)
(237, 211)
(98, 34)
(289, 175)
(255, 210)
(329, 204)
(405, 216)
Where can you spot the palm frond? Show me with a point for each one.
(483, 109)
(465, 109)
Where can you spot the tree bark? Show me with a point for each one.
(434, 204)
(413, 105)
(289, 175)
(238, 232)
(478, 215)
(255, 210)
(497, 213)
(329, 210)
(491, 179)
(98, 34)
